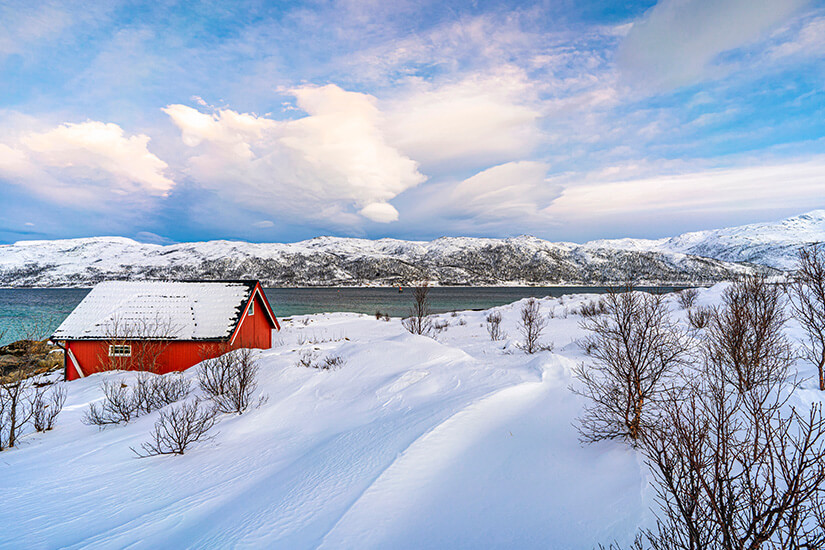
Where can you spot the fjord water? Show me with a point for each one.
(39, 311)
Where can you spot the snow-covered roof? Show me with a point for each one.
(169, 310)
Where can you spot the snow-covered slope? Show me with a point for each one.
(691, 258)
(772, 244)
(413, 443)
(458, 442)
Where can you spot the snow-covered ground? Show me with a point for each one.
(415, 442)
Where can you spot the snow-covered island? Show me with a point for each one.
(693, 258)
(449, 441)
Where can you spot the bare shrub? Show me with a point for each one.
(230, 380)
(494, 326)
(636, 348)
(307, 359)
(303, 338)
(700, 317)
(378, 315)
(177, 428)
(47, 408)
(214, 374)
(745, 337)
(593, 308)
(18, 396)
(153, 392)
(419, 321)
(687, 298)
(531, 326)
(310, 359)
(440, 326)
(119, 405)
(332, 362)
(808, 301)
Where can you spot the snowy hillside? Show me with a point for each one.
(771, 244)
(413, 442)
(692, 258)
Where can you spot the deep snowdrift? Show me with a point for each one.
(415, 442)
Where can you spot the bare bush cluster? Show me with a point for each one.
(303, 338)
(177, 428)
(532, 324)
(636, 349)
(312, 360)
(419, 321)
(122, 403)
(807, 290)
(700, 317)
(736, 470)
(46, 408)
(26, 403)
(230, 380)
(494, 326)
(687, 298)
(734, 466)
(746, 338)
(593, 308)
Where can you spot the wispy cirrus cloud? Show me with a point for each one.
(678, 41)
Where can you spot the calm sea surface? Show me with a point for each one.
(40, 311)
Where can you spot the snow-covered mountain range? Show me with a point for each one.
(699, 257)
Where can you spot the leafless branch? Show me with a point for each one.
(419, 321)
(807, 290)
(177, 428)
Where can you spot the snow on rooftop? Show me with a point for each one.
(173, 310)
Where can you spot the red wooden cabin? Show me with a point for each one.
(163, 326)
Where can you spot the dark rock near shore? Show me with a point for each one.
(33, 356)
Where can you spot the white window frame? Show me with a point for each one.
(120, 350)
(251, 310)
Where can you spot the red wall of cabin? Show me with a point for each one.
(255, 331)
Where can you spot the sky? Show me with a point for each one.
(281, 121)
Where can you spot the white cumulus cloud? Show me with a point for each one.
(88, 163)
(332, 166)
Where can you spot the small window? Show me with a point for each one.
(251, 308)
(120, 351)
